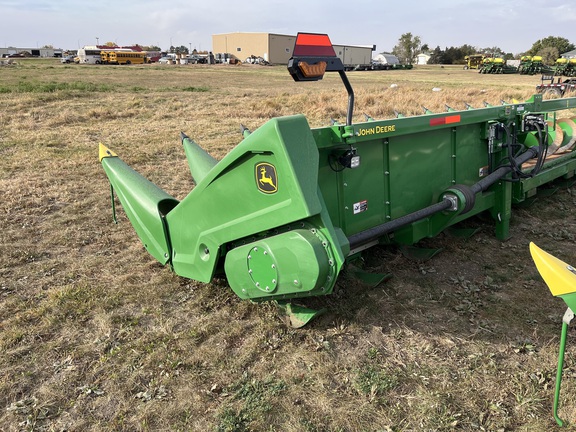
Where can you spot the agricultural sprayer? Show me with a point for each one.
(289, 206)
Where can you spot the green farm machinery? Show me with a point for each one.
(284, 212)
(532, 65)
(566, 67)
(398, 66)
(496, 66)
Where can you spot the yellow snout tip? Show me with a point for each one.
(559, 276)
(105, 152)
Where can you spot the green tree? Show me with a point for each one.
(467, 50)
(549, 55)
(150, 48)
(561, 44)
(453, 55)
(408, 48)
(181, 50)
(493, 52)
(437, 56)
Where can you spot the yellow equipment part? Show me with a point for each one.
(559, 276)
(104, 152)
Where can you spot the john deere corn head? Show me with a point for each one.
(284, 211)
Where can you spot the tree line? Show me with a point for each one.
(410, 46)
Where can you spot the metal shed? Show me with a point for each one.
(274, 48)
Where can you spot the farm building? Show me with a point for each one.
(277, 48)
(353, 56)
(274, 48)
(422, 58)
(30, 52)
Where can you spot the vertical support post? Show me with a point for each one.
(113, 204)
(568, 316)
(502, 211)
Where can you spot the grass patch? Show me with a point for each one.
(51, 87)
(252, 402)
(374, 381)
(195, 89)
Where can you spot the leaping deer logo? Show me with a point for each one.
(266, 178)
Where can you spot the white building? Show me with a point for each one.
(31, 52)
(422, 59)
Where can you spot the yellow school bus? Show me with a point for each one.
(124, 57)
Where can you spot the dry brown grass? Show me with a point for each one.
(95, 335)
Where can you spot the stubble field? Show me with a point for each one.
(95, 335)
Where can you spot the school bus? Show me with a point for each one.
(124, 57)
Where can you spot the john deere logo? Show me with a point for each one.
(266, 178)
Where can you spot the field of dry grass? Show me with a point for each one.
(95, 335)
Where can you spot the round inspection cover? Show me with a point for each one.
(262, 269)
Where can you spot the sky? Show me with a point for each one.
(512, 25)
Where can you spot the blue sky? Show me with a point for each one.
(512, 25)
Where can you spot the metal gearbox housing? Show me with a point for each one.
(295, 263)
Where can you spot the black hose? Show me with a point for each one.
(497, 175)
(378, 231)
(516, 166)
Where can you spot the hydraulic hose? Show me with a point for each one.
(492, 178)
(541, 158)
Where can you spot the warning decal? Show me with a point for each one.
(360, 207)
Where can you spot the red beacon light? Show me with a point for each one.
(313, 55)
